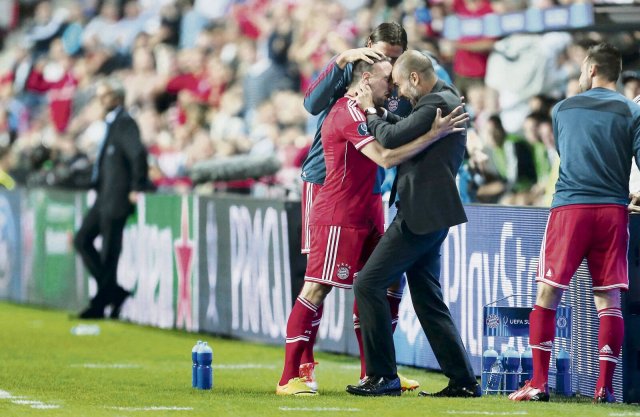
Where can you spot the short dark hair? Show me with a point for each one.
(392, 33)
(608, 60)
(362, 66)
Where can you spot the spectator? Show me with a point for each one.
(470, 59)
(56, 78)
(630, 84)
(239, 60)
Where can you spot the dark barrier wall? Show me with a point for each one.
(231, 266)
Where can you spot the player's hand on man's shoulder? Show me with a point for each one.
(634, 204)
(353, 55)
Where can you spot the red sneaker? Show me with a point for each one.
(603, 396)
(530, 393)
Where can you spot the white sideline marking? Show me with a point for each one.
(16, 399)
(36, 404)
(5, 395)
(624, 414)
(242, 366)
(106, 365)
(151, 408)
(490, 413)
(45, 406)
(317, 409)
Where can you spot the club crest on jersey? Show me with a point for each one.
(362, 129)
(343, 271)
(392, 104)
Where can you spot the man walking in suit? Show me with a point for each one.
(120, 173)
(428, 205)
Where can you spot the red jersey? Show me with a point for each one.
(346, 198)
(60, 95)
(469, 63)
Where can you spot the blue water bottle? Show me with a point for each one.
(205, 373)
(526, 363)
(563, 373)
(496, 375)
(511, 360)
(194, 367)
(488, 359)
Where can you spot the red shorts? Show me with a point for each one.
(309, 193)
(599, 233)
(338, 253)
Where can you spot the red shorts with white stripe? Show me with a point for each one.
(309, 192)
(597, 232)
(338, 253)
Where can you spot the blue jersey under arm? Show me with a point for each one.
(597, 133)
(326, 89)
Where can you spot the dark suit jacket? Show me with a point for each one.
(426, 184)
(122, 167)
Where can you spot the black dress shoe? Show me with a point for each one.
(92, 313)
(120, 297)
(468, 391)
(376, 387)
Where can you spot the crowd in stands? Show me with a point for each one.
(209, 80)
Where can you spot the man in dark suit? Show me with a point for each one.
(119, 174)
(428, 205)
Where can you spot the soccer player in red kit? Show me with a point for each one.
(346, 221)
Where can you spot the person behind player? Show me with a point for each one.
(345, 222)
(387, 39)
(597, 133)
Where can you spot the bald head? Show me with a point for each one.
(415, 61)
(414, 76)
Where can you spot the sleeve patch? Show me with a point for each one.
(362, 129)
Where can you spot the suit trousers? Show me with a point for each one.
(419, 255)
(102, 265)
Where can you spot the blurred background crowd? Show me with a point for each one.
(213, 80)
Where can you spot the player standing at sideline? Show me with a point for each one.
(346, 221)
(390, 40)
(597, 133)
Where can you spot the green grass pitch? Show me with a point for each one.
(129, 370)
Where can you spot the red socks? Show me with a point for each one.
(542, 329)
(610, 337)
(299, 333)
(307, 355)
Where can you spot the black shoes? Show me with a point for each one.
(92, 313)
(95, 311)
(376, 387)
(120, 297)
(468, 391)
